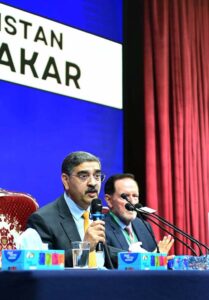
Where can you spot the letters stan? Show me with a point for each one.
(28, 59)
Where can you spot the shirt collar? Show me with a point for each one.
(118, 221)
(76, 210)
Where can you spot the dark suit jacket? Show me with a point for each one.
(56, 227)
(117, 242)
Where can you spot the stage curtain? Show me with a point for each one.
(176, 104)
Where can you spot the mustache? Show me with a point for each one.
(91, 190)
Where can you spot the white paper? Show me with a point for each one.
(30, 240)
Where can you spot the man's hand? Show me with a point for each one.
(165, 244)
(95, 233)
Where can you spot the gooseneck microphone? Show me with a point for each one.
(178, 230)
(96, 214)
(130, 206)
(144, 211)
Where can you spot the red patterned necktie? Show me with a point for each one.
(130, 234)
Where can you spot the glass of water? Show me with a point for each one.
(80, 254)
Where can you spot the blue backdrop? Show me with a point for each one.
(38, 129)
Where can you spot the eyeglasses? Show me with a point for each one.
(85, 176)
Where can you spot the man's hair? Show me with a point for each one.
(76, 158)
(109, 187)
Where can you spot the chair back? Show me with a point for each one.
(15, 209)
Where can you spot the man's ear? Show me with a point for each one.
(108, 199)
(64, 178)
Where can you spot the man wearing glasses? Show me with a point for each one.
(61, 222)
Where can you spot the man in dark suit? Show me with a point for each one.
(122, 227)
(61, 222)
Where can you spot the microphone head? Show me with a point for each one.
(144, 209)
(124, 196)
(138, 205)
(96, 206)
(129, 207)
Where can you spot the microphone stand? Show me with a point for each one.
(167, 223)
(175, 228)
(173, 235)
(132, 207)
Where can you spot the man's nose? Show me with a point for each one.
(92, 180)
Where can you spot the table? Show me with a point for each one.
(104, 285)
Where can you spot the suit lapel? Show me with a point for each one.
(138, 229)
(67, 222)
(117, 232)
(143, 234)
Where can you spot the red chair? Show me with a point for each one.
(15, 209)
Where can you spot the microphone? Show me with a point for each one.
(129, 206)
(125, 197)
(146, 209)
(96, 214)
(140, 209)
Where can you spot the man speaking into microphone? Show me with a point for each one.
(67, 218)
(122, 226)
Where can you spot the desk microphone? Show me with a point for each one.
(96, 214)
(161, 227)
(131, 207)
(144, 211)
